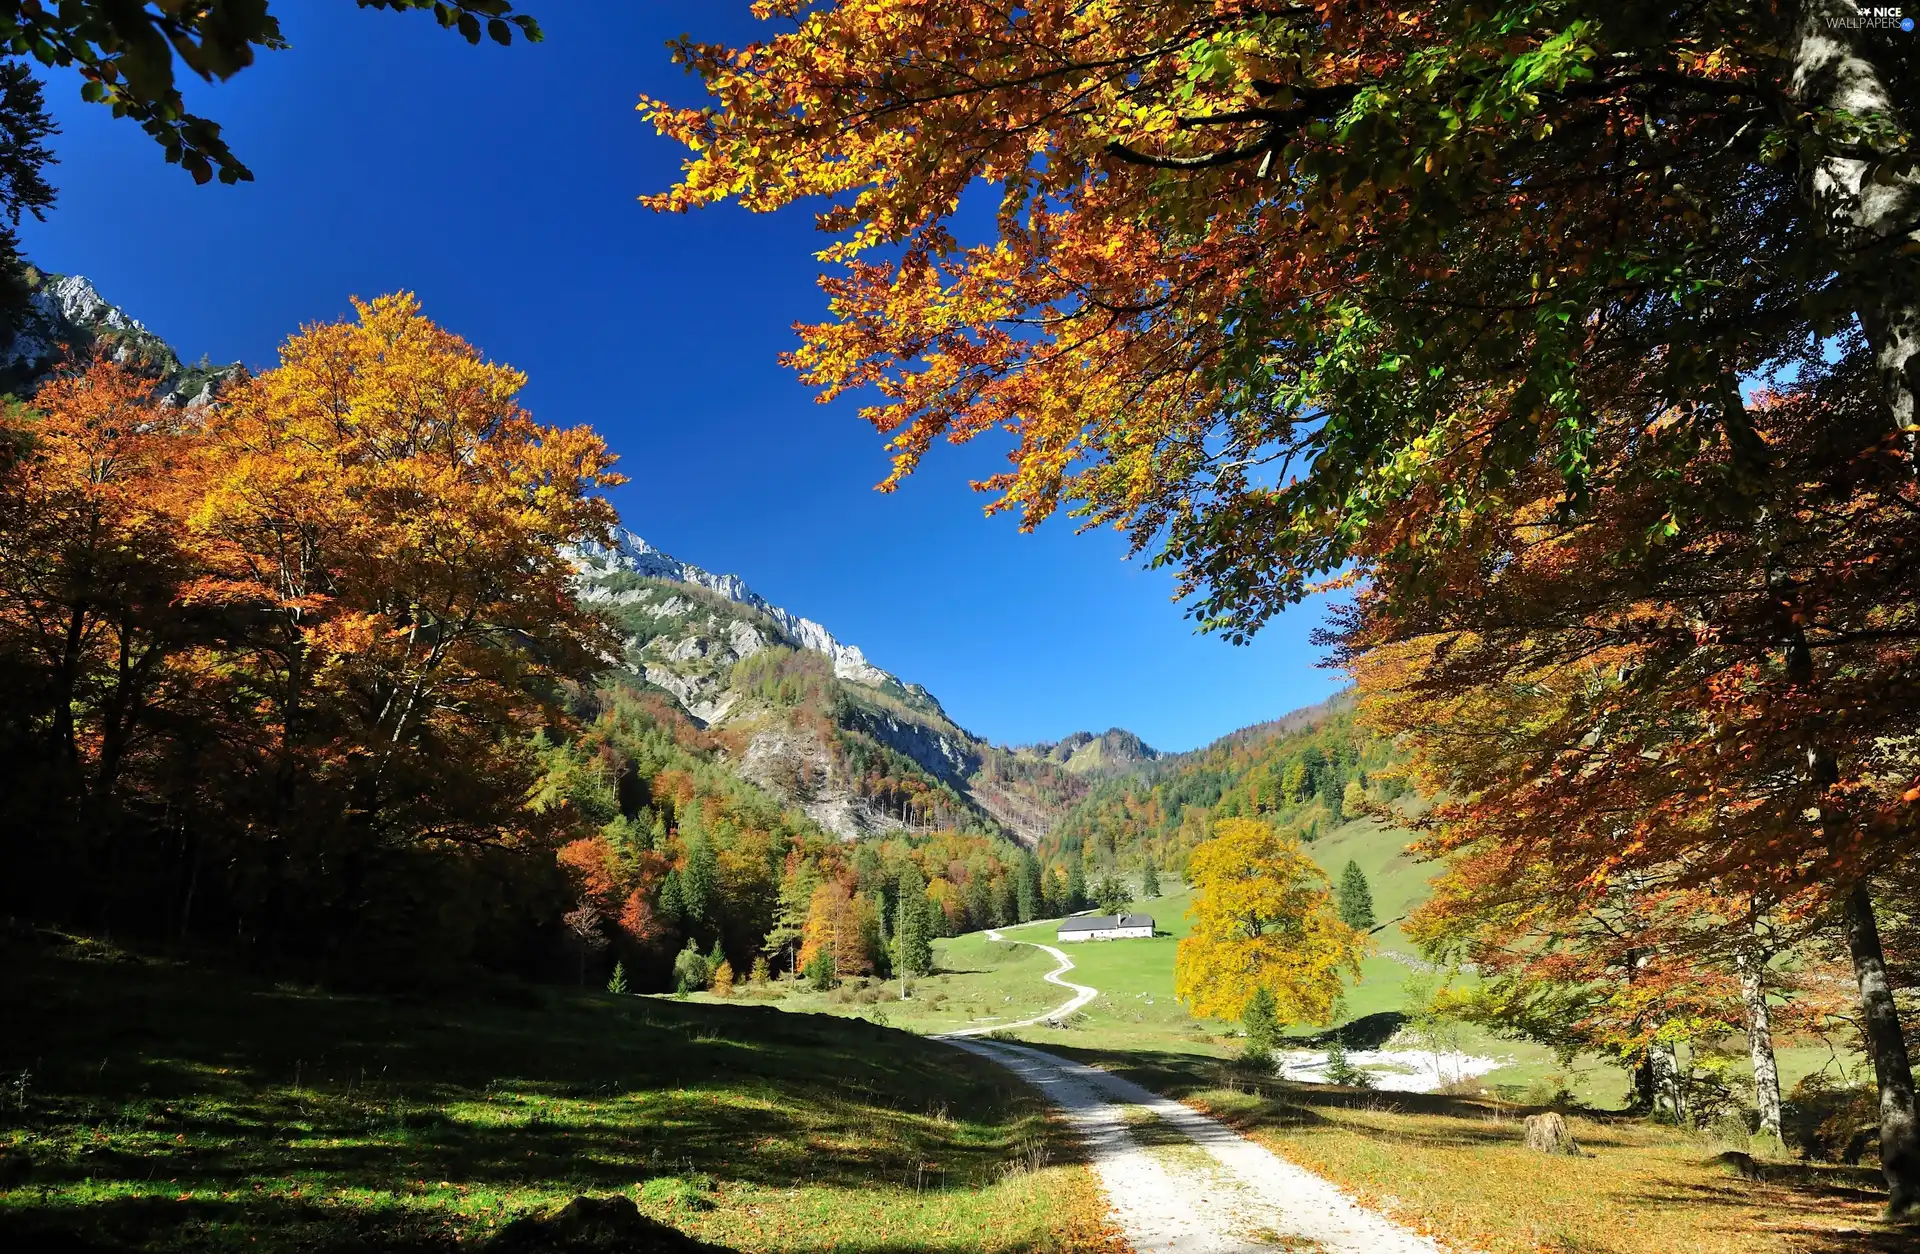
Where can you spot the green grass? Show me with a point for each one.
(156, 1106)
(977, 982)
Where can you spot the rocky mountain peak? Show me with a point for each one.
(631, 554)
(67, 319)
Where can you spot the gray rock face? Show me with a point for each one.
(67, 319)
(950, 757)
(634, 555)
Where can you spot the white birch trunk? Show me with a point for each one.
(1752, 964)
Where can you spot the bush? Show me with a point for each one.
(682, 1193)
(1342, 1071)
(1833, 1119)
(1548, 1090)
(690, 969)
(819, 973)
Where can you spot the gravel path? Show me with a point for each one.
(1081, 993)
(1180, 1182)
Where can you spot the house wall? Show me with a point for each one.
(1111, 933)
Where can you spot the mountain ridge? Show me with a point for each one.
(859, 749)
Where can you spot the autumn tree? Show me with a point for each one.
(797, 885)
(279, 664)
(388, 524)
(1257, 276)
(96, 480)
(1305, 293)
(1721, 714)
(1262, 919)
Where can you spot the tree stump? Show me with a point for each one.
(1547, 1133)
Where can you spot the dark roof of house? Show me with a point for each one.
(1100, 922)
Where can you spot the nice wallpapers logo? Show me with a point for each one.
(1873, 17)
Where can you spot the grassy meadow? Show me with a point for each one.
(1453, 1166)
(155, 1106)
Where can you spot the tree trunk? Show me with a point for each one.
(1879, 1017)
(1666, 1083)
(1752, 963)
(1869, 213)
(1880, 1024)
(1643, 1087)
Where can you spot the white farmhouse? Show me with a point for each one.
(1107, 927)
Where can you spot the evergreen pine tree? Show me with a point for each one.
(1355, 898)
(912, 933)
(618, 982)
(1053, 894)
(1261, 1020)
(1006, 902)
(673, 902)
(718, 956)
(1028, 899)
(1112, 895)
(700, 880)
(1076, 884)
(1149, 882)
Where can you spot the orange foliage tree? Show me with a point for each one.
(1710, 720)
(323, 618)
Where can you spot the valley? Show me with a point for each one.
(675, 902)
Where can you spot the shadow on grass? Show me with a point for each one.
(159, 1107)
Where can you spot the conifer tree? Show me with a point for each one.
(618, 982)
(912, 934)
(700, 880)
(1149, 882)
(1355, 898)
(1076, 884)
(1029, 900)
(673, 902)
(1261, 1019)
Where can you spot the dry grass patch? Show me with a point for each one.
(1456, 1169)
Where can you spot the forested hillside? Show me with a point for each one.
(256, 697)
(1306, 773)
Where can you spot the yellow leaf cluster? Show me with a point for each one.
(1263, 917)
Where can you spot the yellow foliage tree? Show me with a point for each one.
(1262, 918)
(721, 982)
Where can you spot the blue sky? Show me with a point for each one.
(499, 184)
